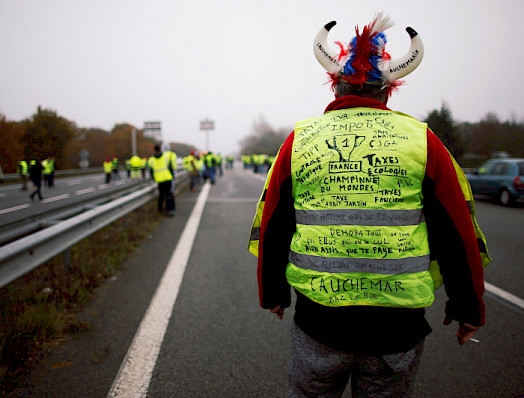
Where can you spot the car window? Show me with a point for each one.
(485, 168)
(521, 169)
(500, 169)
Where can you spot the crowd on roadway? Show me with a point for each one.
(200, 165)
(259, 163)
(34, 170)
(162, 167)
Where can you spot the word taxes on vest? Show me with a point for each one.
(361, 238)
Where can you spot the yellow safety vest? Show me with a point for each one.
(135, 162)
(170, 157)
(24, 168)
(190, 163)
(160, 168)
(108, 167)
(361, 238)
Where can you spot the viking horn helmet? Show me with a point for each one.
(364, 60)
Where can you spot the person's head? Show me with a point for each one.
(366, 91)
(363, 67)
(157, 148)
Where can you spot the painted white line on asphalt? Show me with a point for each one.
(137, 368)
(83, 191)
(74, 182)
(55, 198)
(9, 210)
(504, 295)
(103, 186)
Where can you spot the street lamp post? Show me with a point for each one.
(207, 125)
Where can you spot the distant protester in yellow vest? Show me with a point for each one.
(364, 214)
(191, 165)
(49, 171)
(161, 167)
(23, 171)
(136, 167)
(108, 170)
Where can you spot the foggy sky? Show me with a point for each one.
(102, 62)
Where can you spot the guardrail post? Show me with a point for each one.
(67, 259)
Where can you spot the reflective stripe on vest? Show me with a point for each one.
(361, 237)
(359, 217)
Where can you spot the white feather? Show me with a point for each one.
(382, 22)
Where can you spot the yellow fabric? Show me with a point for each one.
(160, 169)
(357, 159)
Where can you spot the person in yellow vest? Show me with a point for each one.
(220, 160)
(210, 163)
(127, 166)
(364, 214)
(23, 170)
(35, 173)
(162, 172)
(49, 169)
(116, 167)
(135, 164)
(108, 170)
(190, 164)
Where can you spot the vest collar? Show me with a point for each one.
(353, 101)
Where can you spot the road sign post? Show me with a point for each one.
(207, 125)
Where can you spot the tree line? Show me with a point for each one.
(46, 133)
(470, 143)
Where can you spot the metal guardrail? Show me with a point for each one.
(24, 255)
(39, 219)
(13, 177)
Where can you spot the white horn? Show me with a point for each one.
(325, 55)
(398, 68)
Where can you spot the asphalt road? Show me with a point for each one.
(219, 343)
(16, 205)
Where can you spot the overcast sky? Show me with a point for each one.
(101, 62)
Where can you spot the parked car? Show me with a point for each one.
(500, 179)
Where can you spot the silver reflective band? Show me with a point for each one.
(359, 217)
(383, 266)
(255, 233)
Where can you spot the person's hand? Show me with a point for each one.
(279, 311)
(465, 330)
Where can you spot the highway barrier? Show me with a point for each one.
(25, 254)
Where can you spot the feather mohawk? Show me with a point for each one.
(365, 59)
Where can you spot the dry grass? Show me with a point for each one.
(37, 309)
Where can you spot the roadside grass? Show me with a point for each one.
(37, 310)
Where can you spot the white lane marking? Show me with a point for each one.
(504, 295)
(9, 210)
(103, 186)
(120, 182)
(137, 368)
(55, 198)
(75, 182)
(2, 195)
(83, 191)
